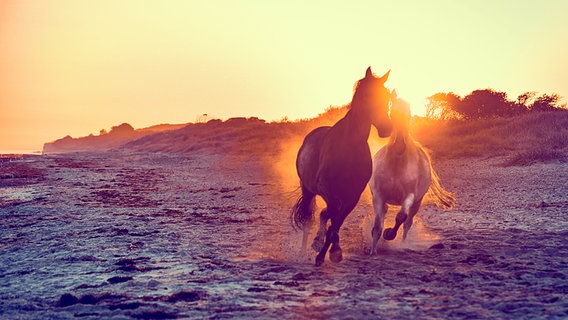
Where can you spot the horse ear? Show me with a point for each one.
(369, 73)
(385, 76)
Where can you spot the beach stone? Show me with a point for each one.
(438, 246)
(66, 300)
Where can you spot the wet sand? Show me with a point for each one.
(142, 235)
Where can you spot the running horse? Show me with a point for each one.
(402, 174)
(335, 163)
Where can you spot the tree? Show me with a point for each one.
(488, 103)
(547, 102)
(202, 118)
(524, 98)
(522, 102)
(484, 104)
(442, 106)
(123, 128)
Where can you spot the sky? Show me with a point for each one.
(74, 67)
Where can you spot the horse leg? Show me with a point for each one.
(318, 242)
(302, 214)
(335, 253)
(332, 236)
(380, 211)
(408, 223)
(305, 233)
(401, 216)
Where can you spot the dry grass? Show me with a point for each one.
(525, 139)
(522, 140)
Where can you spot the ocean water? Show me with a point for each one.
(19, 151)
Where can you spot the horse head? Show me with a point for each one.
(375, 100)
(400, 117)
(400, 112)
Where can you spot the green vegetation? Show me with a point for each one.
(489, 103)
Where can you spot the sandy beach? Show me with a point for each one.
(148, 235)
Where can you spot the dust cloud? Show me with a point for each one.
(286, 243)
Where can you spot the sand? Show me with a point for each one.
(148, 235)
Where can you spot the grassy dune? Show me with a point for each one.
(523, 140)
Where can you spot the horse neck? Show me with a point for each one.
(399, 133)
(401, 143)
(356, 126)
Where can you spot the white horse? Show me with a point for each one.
(402, 174)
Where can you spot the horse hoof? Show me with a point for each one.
(389, 234)
(336, 256)
(317, 245)
(319, 260)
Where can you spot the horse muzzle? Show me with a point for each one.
(384, 129)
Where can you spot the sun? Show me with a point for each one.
(416, 102)
(418, 108)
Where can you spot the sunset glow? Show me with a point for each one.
(76, 67)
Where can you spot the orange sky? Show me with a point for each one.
(75, 66)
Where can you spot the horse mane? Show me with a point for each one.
(355, 90)
(356, 87)
(400, 116)
(401, 105)
(364, 82)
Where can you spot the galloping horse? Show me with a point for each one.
(402, 174)
(335, 163)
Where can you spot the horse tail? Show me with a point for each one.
(443, 198)
(303, 210)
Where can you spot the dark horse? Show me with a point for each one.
(335, 163)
